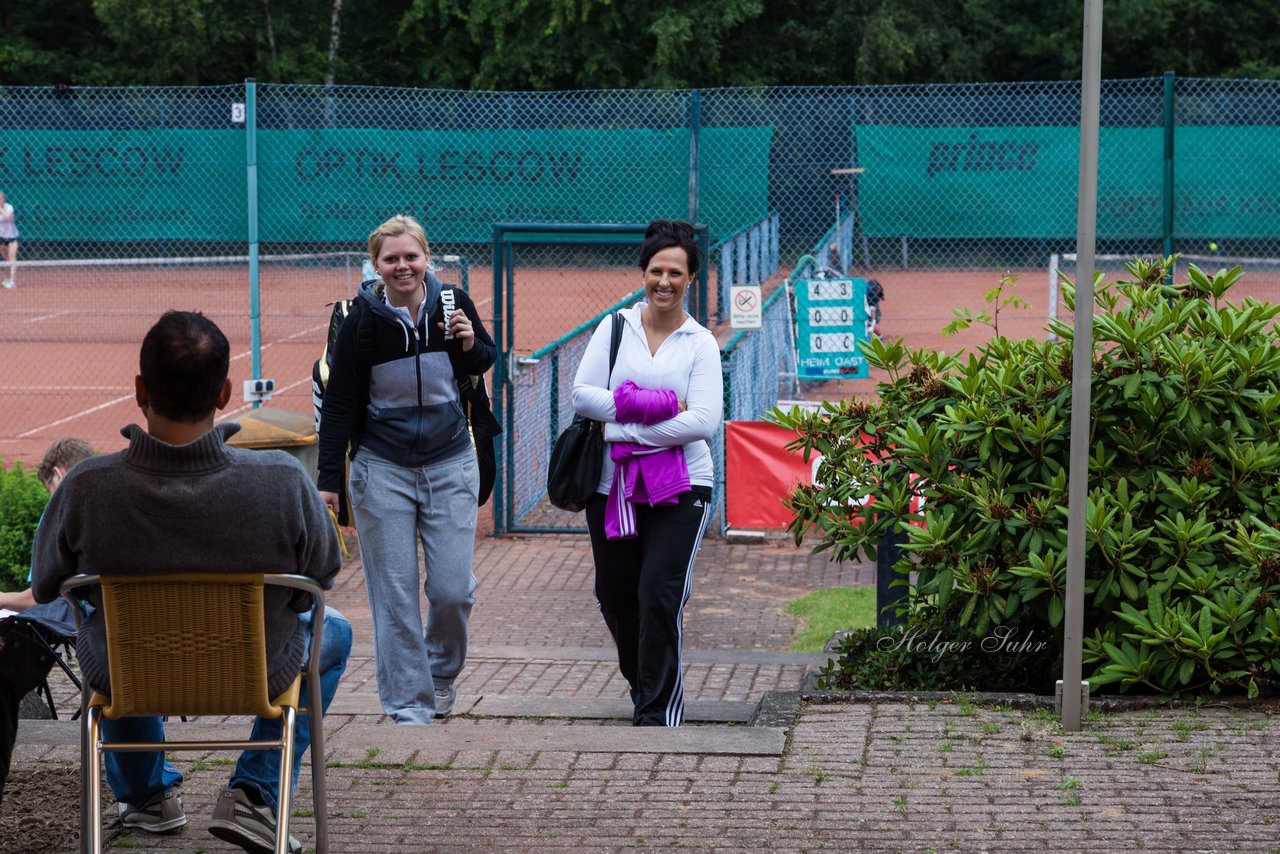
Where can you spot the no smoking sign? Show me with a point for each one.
(744, 306)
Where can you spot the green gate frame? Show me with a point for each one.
(506, 236)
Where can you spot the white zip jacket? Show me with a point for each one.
(688, 363)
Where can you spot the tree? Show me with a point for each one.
(335, 33)
(586, 44)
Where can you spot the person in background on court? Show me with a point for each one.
(9, 240)
(660, 407)
(24, 661)
(393, 399)
(178, 498)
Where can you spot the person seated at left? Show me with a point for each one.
(24, 661)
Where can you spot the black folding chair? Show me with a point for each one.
(50, 627)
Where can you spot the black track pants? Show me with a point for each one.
(641, 585)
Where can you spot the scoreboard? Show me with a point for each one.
(831, 320)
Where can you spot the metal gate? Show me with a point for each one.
(554, 282)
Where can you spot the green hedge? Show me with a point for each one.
(22, 500)
(1182, 527)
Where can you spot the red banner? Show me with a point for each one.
(759, 472)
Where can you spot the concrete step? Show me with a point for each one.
(761, 657)
(570, 708)
(357, 743)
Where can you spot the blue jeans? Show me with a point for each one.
(136, 778)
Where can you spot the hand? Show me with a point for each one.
(331, 501)
(460, 328)
(681, 406)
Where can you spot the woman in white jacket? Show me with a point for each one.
(663, 477)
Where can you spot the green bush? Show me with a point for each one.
(22, 500)
(1183, 514)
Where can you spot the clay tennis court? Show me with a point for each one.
(69, 343)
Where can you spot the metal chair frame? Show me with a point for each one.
(149, 679)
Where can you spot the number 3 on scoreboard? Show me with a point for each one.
(834, 289)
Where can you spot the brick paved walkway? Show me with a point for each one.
(540, 760)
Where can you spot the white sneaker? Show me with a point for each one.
(445, 698)
(10, 284)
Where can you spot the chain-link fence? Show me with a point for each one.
(252, 202)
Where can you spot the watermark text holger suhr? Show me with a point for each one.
(1003, 640)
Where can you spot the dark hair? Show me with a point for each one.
(184, 363)
(665, 233)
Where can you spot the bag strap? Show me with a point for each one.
(471, 387)
(364, 340)
(615, 341)
(468, 383)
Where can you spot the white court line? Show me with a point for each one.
(80, 414)
(284, 340)
(47, 389)
(102, 406)
(46, 317)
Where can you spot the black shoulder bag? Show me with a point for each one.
(574, 471)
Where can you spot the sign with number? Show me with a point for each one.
(831, 320)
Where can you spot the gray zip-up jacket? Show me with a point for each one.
(402, 404)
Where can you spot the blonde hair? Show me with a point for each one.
(394, 227)
(63, 454)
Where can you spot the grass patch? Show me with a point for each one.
(825, 612)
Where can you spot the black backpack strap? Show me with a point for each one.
(485, 428)
(366, 335)
(364, 338)
(615, 341)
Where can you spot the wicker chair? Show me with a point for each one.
(194, 644)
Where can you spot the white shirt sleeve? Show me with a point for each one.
(592, 397)
(705, 403)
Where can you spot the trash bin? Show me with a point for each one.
(294, 432)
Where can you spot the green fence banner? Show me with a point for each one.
(145, 184)
(1019, 181)
(337, 184)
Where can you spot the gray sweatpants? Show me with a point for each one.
(395, 506)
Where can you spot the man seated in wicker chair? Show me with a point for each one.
(178, 498)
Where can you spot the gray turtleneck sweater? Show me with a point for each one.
(202, 507)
